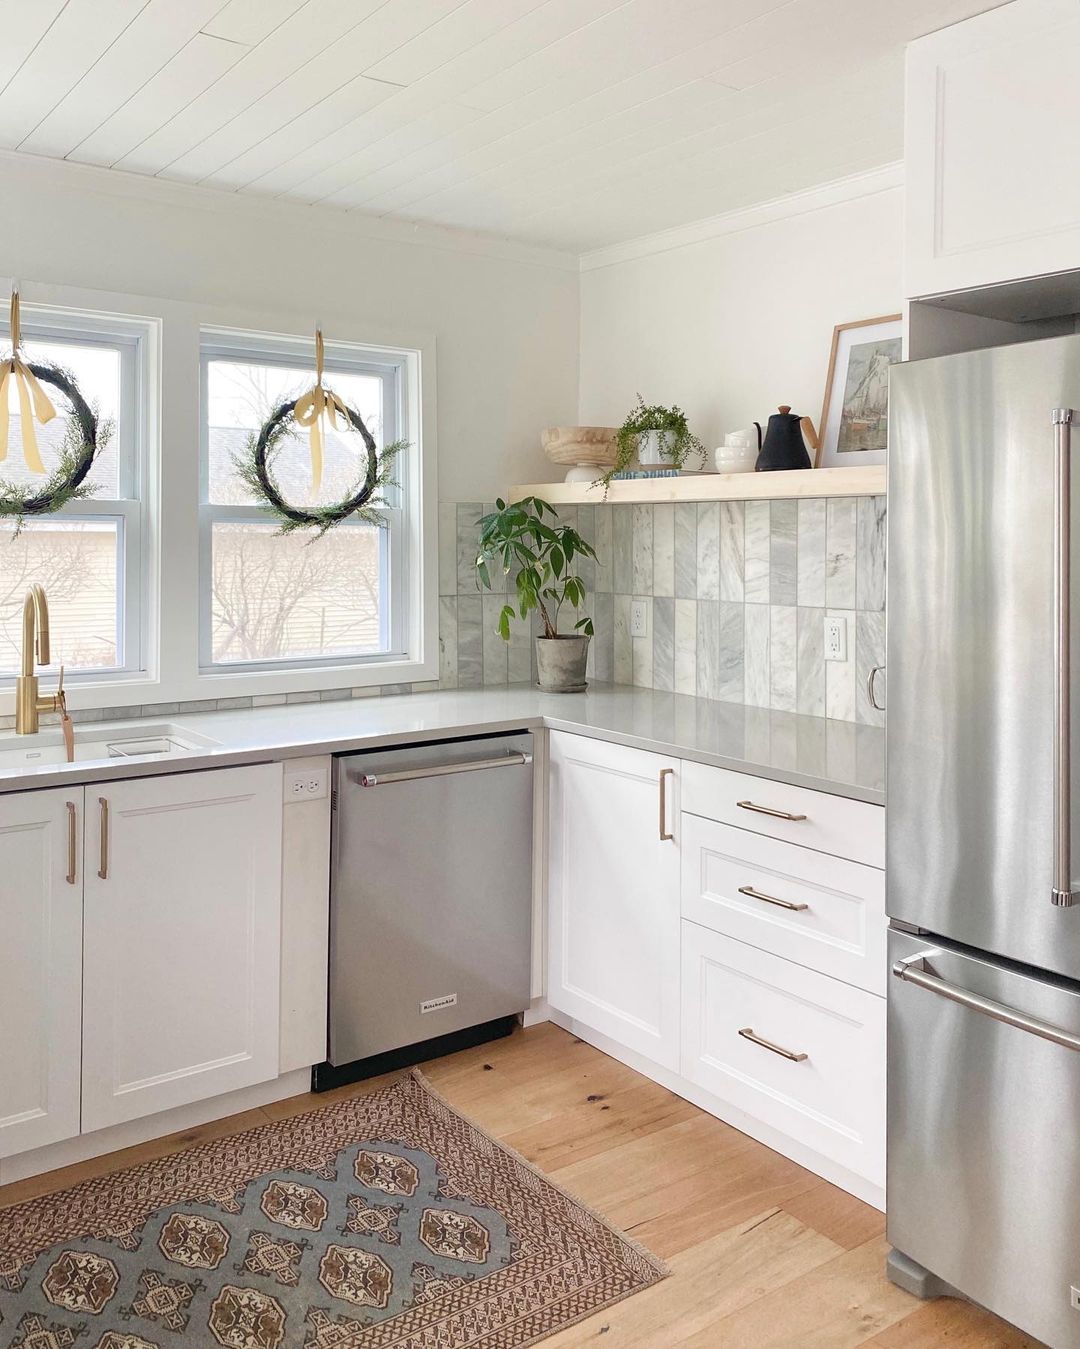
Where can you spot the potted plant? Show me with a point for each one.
(543, 553)
(656, 436)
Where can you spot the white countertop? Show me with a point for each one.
(833, 756)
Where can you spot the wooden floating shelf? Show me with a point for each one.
(814, 482)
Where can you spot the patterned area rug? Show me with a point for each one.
(383, 1220)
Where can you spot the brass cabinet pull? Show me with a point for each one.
(748, 1034)
(768, 810)
(665, 773)
(771, 899)
(103, 869)
(71, 842)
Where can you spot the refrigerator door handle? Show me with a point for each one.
(1062, 894)
(912, 970)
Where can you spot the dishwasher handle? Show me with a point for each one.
(513, 759)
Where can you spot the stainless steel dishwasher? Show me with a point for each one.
(430, 901)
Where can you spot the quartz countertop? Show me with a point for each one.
(840, 757)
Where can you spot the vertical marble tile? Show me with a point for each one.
(840, 756)
(870, 758)
(785, 740)
(756, 688)
(604, 578)
(708, 648)
(708, 550)
(623, 666)
(642, 550)
(757, 545)
(448, 641)
(685, 551)
(663, 549)
(642, 656)
(468, 512)
(493, 648)
(811, 737)
(470, 629)
(783, 648)
(448, 580)
(870, 553)
(811, 547)
(519, 657)
(500, 580)
(623, 531)
(603, 643)
(732, 550)
(810, 678)
(732, 652)
(869, 651)
(840, 675)
(757, 734)
(685, 646)
(586, 527)
(840, 553)
(663, 621)
(783, 552)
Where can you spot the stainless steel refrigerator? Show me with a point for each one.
(983, 668)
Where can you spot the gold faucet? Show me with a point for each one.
(35, 641)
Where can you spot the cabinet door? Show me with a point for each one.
(613, 893)
(40, 967)
(183, 919)
(992, 109)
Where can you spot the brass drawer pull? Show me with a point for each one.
(748, 1034)
(772, 899)
(103, 869)
(665, 773)
(71, 842)
(768, 810)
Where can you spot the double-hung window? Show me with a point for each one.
(90, 555)
(271, 601)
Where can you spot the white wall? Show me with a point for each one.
(505, 319)
(734, 325)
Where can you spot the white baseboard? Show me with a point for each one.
(127, 1135)
(772, 1138)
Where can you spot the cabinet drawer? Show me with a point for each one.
(837, 920)
(831, 824)
(830, 1094)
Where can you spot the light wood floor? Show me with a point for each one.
(763, 1254)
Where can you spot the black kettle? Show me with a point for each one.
(784, 446)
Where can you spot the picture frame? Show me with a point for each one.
(854, 415)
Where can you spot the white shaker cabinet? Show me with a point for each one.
(991, 188)
(182, 935)
(613, 893)
(40, 967)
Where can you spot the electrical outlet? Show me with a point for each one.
(835, 638)
(306, 784)
(639, 618)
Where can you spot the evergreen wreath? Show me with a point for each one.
(84, 436)
(255, 468)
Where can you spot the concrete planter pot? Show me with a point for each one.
(560, 664)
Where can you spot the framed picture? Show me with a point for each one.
(855, 415)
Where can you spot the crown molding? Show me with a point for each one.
(255, 208)
(886, 178)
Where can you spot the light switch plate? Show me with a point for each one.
(639, 618)
(835, 637)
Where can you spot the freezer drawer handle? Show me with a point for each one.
(908, 970)
(511, 760)
(768, 810)
(1062, 895)
(747, 1033)
(771, 899)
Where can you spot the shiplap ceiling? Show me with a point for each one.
(575, 123)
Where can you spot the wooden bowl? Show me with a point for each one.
(591, 446)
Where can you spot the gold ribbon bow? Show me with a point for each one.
(30, 393)
(310, 408)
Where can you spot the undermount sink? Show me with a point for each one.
(158, 740)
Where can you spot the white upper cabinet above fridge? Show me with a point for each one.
(991, 179)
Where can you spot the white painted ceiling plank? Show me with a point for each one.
(23, 26)
(147, 44)
(471, 23)
(250, 21)
(81, 33)
(192, 70)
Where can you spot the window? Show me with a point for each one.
(270, 601)
(89, 555)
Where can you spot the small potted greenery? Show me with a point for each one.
(542, 552)
(656, 436)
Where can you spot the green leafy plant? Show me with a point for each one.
(543, 553)
(681, 441)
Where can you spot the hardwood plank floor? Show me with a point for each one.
(763, 1254)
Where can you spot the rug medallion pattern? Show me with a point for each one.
(385, 1220)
